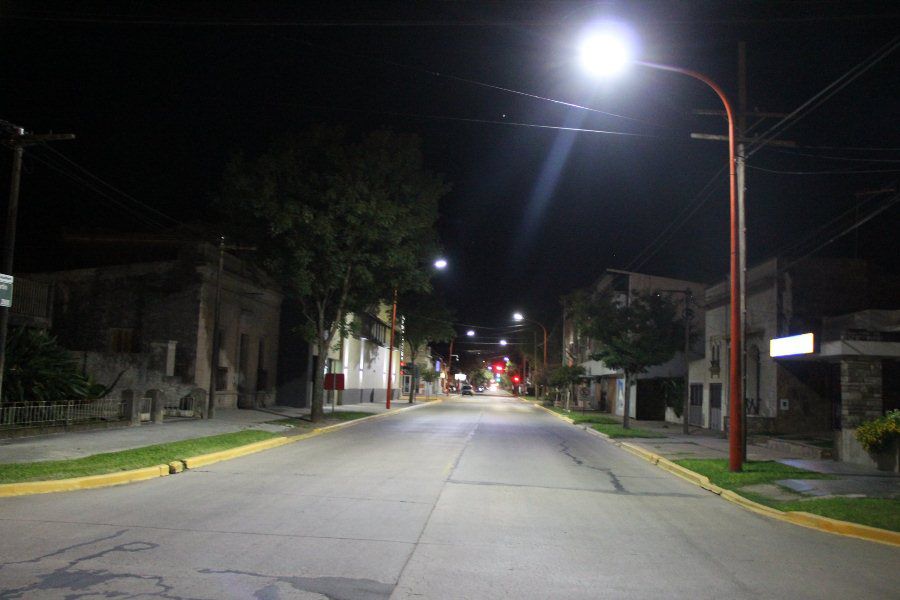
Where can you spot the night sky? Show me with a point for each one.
(160, 95)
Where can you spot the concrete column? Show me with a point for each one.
(861, 391)
(157, 403)
(132, 407)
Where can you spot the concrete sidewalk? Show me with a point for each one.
(64, 446)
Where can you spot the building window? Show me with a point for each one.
(121, 341)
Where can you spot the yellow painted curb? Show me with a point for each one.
(202, 460)
(176, 466)
(83, 483)
(864, 532)
(552, 412)
(638, 451)
(676, 469)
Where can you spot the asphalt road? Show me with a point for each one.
(482, 498)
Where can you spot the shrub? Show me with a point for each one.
(39, 369)
(880, 434)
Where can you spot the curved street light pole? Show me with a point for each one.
(735, 395)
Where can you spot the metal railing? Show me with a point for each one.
(23, 415)
(181, 407)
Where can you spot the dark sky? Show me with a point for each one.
(161, 94)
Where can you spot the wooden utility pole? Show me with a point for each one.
(17, 140)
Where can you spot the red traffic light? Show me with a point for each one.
(515, 379)
(498, 367)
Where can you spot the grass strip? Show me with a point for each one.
(874, 512)
(125, 460)
(755, 472)
(585, 417)
(617, 431)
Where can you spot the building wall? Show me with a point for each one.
(120, 314)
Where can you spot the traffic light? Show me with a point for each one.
(515, 379)
(499, 367)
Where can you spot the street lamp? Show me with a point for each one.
(503, 342)
(470, 333)
(606, 53)
(520, 317)
(439, 264)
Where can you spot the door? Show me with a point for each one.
(696, 405)
(715, 406)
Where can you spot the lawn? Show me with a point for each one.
(615, 430)
(875, 512)
(125, 460)
(586, 416)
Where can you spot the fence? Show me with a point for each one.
(23, 415)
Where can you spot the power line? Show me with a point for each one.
(832, 172)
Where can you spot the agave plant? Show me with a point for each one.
(38, 369)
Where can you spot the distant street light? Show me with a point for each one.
(502, 342)
(470, 333)
(440, 264)
(607, 52)
(520, 317)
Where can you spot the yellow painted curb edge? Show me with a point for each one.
(28, 488)
(83, 483)
(552, 412)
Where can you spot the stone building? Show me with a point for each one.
(148, 325)
(823, 393)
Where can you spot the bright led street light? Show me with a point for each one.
(470, 332)
(606, 52)
(440, 263)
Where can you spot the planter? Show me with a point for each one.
(886, 460)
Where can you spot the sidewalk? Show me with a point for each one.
(64, 446)
(851, 480)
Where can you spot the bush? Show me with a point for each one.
(38, 369)
(879, 435)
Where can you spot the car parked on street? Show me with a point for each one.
(466, 390)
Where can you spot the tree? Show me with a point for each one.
(479, 377)
(643, 331)
(340, 223)
(426, 320)
(565, 377)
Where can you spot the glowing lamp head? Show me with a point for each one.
(518, 316)
(440, 264)
(470, 333)
(606, 52)
(502, 342)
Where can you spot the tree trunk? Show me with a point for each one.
(414, 385)
(317, 412)
(626, 419)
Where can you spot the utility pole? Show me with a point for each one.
(741, 175)
(686, 410)
(17, 140)
(214, 358)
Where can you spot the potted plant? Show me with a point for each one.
(880, 439)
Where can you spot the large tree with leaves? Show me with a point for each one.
(630, 334)
(426, 320)
(341, 223)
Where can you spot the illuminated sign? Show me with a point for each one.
(789, 346)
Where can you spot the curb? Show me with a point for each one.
(177, 466)
(803, 519)
(83, 483)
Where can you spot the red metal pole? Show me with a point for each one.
(735, 393)
(390, 374)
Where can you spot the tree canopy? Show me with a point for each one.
(340, 223)
(632, 335)
(426, 320)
